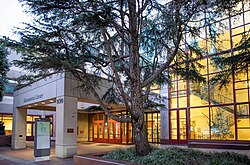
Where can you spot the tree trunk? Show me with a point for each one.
(142, 146)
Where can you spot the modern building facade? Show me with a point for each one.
(195, 114)
(6, 108)
(209, 112)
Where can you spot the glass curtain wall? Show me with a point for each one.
(216, 112)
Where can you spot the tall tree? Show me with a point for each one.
(4, 68)
(134, 43)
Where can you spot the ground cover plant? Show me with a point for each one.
(178, 156)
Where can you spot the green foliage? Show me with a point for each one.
(4, 68)
(178, 156)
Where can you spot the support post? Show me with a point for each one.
(66, 126)
(19, 128)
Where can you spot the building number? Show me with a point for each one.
(59, 101)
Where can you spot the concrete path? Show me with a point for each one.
(26, 156)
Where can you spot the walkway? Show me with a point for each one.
(26, 156)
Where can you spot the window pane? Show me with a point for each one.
(241, 84)
(221, 95)
(29, 118)
(173, 103)
(29, 129)
(7, 119)
(173, 117)
(182, 85)
(241, 95)
(243, 109)
(222, 123)
(183, 124)
(199, 123)
(198, 94)
(243, 128)
(155, 127)
(182, 102)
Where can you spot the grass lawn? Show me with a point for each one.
(179, 156)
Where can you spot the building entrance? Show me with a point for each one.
(178, 126)
(106, 130)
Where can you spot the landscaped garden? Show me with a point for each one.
(179, 156)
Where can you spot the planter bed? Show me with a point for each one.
(97, 159)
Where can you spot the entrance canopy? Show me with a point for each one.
(59, 93)
(43, 93)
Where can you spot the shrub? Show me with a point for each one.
(178, 156)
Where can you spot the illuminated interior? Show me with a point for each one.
(215, 112)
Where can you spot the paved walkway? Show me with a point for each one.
(26, 156)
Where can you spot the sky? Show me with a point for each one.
(11, 15)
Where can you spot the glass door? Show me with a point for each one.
(178, 126)
(98, 133)
(114, 132)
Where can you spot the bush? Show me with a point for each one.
(178, 156)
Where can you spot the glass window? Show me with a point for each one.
(203, 70)
(242, 109)
(173, 117)
(149, 126)
(29, 129)
(198, 94)
(155, 127)
(173, 103)
(35, 117)
(199, 123)
(182, 102)
(241, 95)
(29, 118)
(240, 77)
(221, 95)
(241, 84)
(182, 124)
(182, 85)
(243, 127)
(7, 119)
(236, 20)
(222, 123)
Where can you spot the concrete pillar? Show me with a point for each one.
(164, 126)
(19, 128)
(66, 126)
(165, 116)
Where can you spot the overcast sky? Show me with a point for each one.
(11, 15)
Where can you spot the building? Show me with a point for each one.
(196, 114)
(208, 113)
